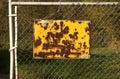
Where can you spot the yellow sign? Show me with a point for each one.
(61, 39)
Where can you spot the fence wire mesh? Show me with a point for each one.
(105, 43)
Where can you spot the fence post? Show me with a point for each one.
(10, 38)
(16, 26)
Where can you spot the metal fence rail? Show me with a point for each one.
(64, 3)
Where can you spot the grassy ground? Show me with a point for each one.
(102, 65)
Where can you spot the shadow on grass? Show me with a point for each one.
(5, 61)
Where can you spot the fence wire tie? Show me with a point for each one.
(12, 15)
(13, 48)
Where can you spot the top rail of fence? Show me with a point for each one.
(64, 3)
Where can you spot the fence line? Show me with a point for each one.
(104, 40)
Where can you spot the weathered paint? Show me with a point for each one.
(61, 39)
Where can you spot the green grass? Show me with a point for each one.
(103, 64)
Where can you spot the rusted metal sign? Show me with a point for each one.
(61, 39)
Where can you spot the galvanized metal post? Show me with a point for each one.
(16, 26)
(10, 38)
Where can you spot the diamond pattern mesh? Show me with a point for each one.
(105, 43)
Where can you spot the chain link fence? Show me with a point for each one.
(105, 43)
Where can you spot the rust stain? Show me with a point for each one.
(37, 42)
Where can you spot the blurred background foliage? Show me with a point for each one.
(108, 26)
(111, 29)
